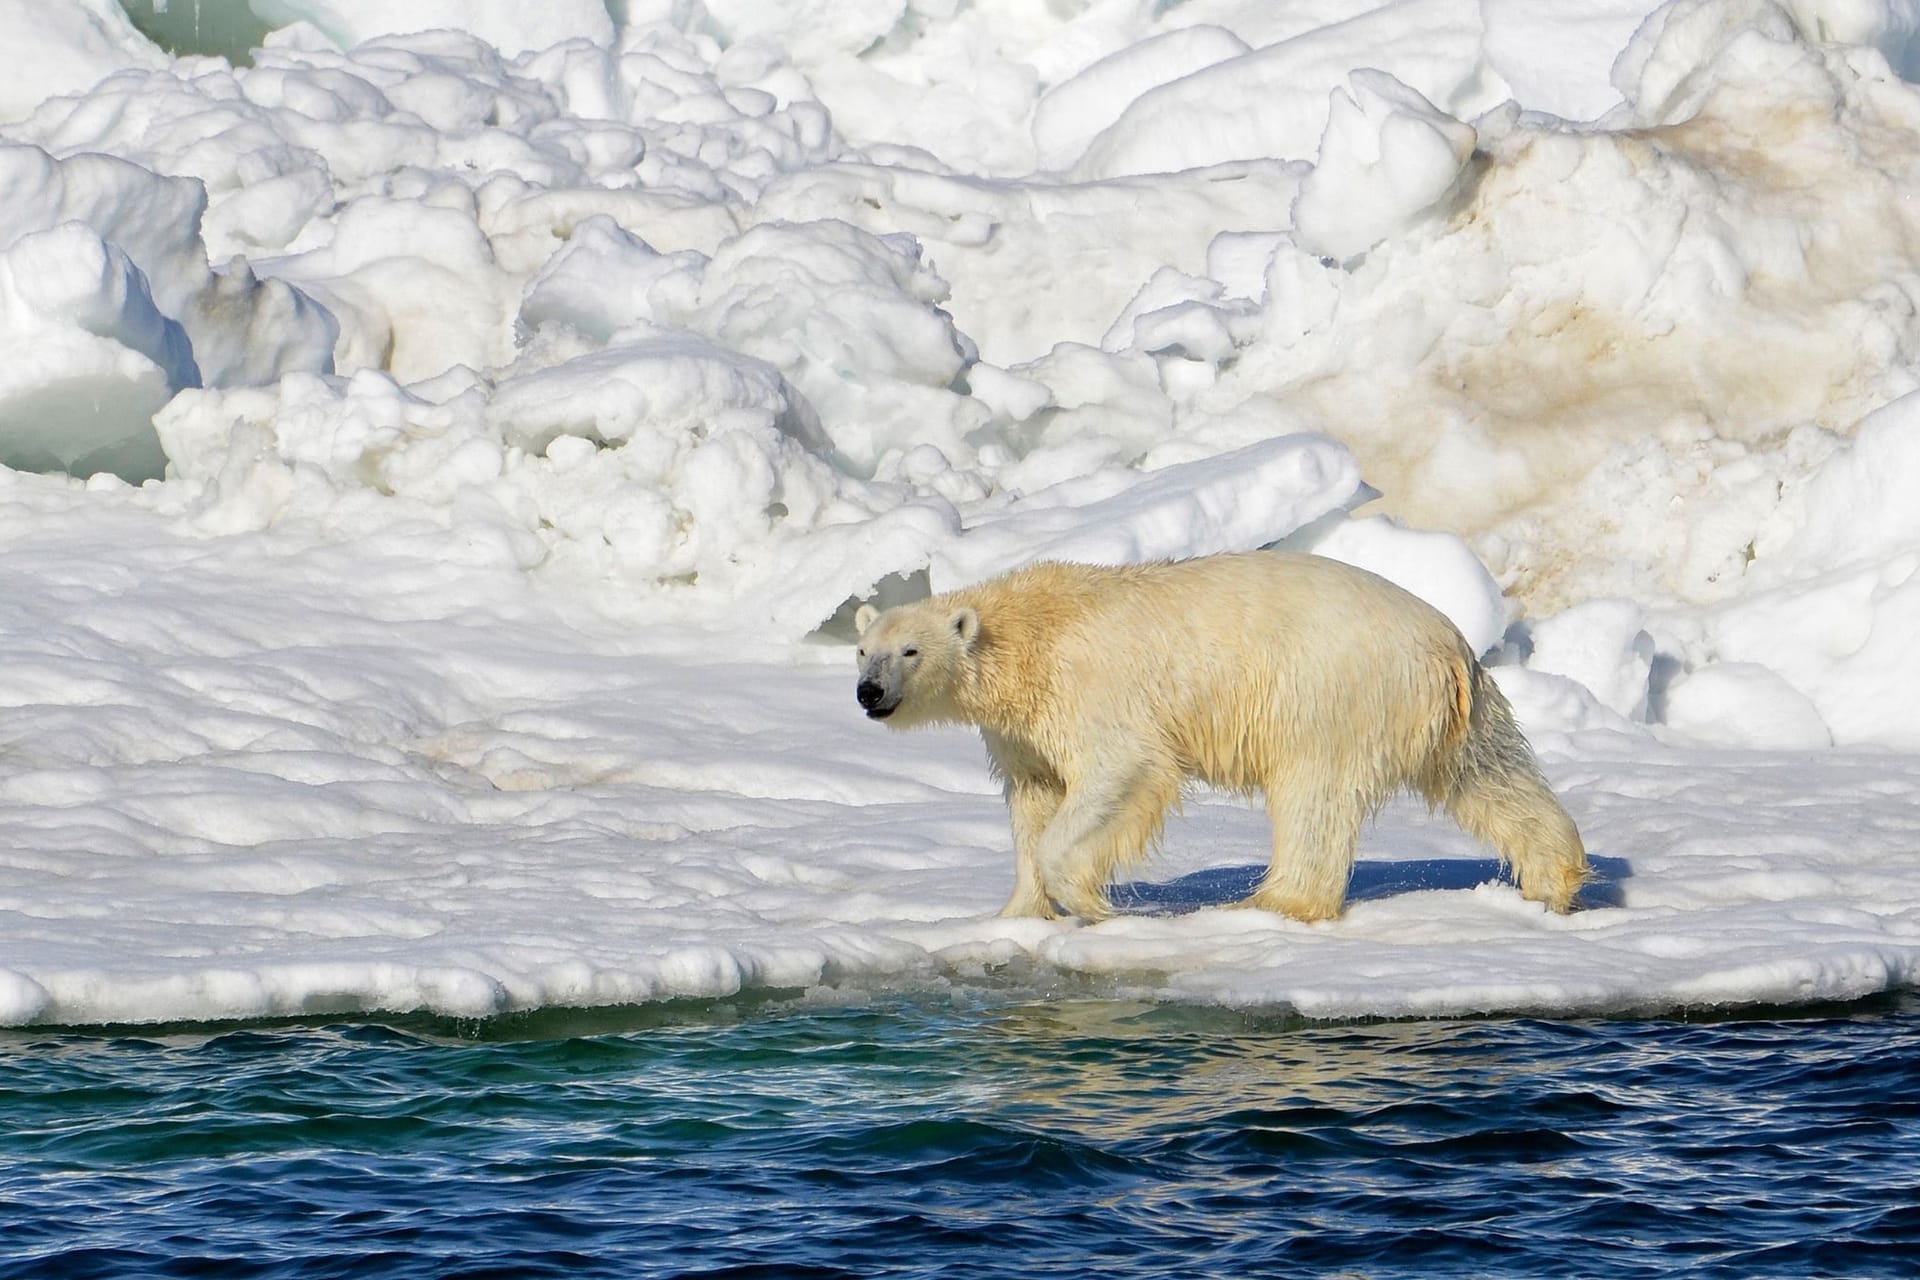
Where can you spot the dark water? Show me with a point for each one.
(967, 1139)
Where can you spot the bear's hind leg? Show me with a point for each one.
(1522, 819)
(1316, 830)
(1494, 789)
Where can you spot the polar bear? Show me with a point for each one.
(1101, 691)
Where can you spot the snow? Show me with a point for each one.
(65, 46)
(1387, 155)
(1071, 114)
(92, 357)
(1275, 100)
(440, 456)
(109, 307)
(508, 25)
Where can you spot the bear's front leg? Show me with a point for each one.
(1031, 803)
(1105, 821)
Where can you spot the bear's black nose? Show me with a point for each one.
(869, 694)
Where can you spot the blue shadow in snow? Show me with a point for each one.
(1223, 886)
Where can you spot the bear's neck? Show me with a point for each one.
(1009, 685)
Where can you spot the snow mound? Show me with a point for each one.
(511, 27)
(1387, 155)
(63, 47)
(111, 308)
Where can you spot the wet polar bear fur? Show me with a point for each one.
(1101, 691)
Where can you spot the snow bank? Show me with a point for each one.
(509, 26)
(91, 358)
(1836, 608)
(110, 308)
(1387, 155)
(58, 47)
(1071, 114)
(1273, 101)
(700, 482)
(1559, 61)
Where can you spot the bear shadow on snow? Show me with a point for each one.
(1225, 886)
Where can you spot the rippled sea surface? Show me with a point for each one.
(966, 1138)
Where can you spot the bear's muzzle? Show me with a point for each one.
(871, 696)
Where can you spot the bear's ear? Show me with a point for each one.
(863, 618)
(966, 625)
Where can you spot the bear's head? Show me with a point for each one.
(910, 658)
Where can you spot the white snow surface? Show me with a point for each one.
(441, 457)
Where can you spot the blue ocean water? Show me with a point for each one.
(966, 1137)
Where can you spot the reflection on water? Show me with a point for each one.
(1112, 1071)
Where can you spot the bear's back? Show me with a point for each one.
(1241, 597)
(1225, 659)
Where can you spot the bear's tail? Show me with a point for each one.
(1492, 786)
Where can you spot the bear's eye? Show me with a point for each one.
(859, 653)
(909, 653)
